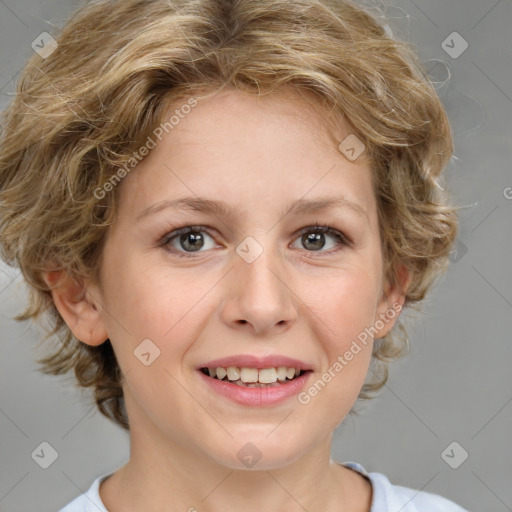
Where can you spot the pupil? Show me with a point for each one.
(315, 239)
(193, 240)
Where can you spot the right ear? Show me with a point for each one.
(78, 309)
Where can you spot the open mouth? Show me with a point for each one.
(254, 377)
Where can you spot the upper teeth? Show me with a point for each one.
(265, 375)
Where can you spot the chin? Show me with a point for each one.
(253, 453)
(257, 464)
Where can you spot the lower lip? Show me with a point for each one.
(257, 396)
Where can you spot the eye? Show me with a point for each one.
(185, 241)
(188, 239)
(313, 238)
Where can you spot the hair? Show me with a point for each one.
(81, 112)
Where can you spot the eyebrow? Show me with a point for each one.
(221, 208)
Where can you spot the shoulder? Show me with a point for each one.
(89, 501)
(395, 498)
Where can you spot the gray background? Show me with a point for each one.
(456, 383)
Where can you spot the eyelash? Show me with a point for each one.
(324, 228)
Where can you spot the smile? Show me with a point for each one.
(254, 377)
(256, 393)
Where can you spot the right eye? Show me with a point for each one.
(187, 240)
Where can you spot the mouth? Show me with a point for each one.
(250, 377)
(256, 380)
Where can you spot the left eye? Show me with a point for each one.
(191, 239)
(313, 238)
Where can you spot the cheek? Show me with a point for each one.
(346, 307)
(161, 307)
(347, 303)
(350, 344)
(153, 303)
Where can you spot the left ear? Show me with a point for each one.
(392, 302)
(75, 304)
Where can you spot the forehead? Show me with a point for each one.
(251, 151)
(246, 115)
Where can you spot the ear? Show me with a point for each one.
(78, 309)
(392, 302)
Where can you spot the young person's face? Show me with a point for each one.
(281, 293)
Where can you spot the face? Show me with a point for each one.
(246, 275)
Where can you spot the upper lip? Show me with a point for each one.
(250, 361)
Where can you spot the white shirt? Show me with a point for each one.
(386, 497)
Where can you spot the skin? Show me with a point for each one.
(258, 154)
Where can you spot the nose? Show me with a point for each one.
(258, 296)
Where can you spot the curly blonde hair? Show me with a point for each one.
(81, 112)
